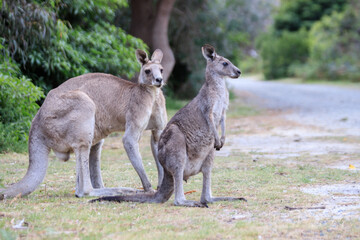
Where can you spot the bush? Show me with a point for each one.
(18, 96)
(57, 40)
(25, 25)
(72, 52)
(294, 15)
(335, 46)
(280, 53)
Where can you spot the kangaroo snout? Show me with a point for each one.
(236, 74)
(158, 82)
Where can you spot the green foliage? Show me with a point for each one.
(24, 25)
(18, 97)
(281, 53)
(335, 46)
(85, 13)
(102, 48)
(76, 37)
(286, 48)
(294, 15)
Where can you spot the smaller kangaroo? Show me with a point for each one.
(188, 142)
(81, 112)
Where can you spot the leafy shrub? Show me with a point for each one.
(56, 40)
(24, 25)
(280, 53)
(102, 48)
(294, 15)
(335, 46)
(18, 97)
(285, 49)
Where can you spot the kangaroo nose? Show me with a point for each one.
(239, 72)
(159, 80)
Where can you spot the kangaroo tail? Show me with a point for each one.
(162, 195)
(38, 163)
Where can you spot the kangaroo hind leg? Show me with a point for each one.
(173, 157)
(206, 195)
(131, 144)
(79, 119)
(95, 171)
(155, 136)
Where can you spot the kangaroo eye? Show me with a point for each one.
(161, 70)
(147, 71)
(225, 64)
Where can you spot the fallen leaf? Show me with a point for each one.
(189, 192)
(352, 166)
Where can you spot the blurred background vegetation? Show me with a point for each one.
(45, 42)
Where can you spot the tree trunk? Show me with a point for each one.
(142, 19)
(160, 35)
(151, 25)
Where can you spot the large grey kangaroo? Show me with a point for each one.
(188, 142)
(81, 112)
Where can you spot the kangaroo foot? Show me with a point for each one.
(188, 203)
(216, 199)
(83, 192)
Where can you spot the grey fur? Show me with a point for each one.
(187, 144)
(81, 112)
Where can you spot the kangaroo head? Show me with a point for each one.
(151, 70)
(218, 65)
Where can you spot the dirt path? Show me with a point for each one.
(303, 124)
(325, 106)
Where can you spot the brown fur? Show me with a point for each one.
(188, 142)
(80, 113)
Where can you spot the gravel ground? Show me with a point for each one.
(320, 105)
(303, 120)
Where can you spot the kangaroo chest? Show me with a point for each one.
(220, 105)
(135, 113)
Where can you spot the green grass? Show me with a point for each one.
(173, 105)
(53, 212)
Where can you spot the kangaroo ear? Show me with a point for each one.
(157, 56)
(209, 52)
(141, 56)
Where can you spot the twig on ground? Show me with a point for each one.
(300, 208)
